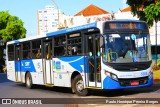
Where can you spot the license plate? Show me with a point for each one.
(134, 83)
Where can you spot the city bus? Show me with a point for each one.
(108, 55)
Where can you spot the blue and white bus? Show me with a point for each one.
(102, 55)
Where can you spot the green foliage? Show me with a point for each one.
(158, 62)
(11, 27)
(145, 10)
(155, 67)
(152, 13)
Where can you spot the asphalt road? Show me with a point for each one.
(9, 89)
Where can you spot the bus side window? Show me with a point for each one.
(60, 46)
(36, 49)
(74, 45)
(11, 52)
(38, 54)
(26, 50)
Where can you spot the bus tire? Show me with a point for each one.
(28, 81)
(78, 86)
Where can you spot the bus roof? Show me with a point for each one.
(90, 25)
(26, 39)
(63, 31)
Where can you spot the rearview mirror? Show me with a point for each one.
(101, 41)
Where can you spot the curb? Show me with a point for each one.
(156, 81)
(78, 105)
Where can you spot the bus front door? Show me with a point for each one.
(18, 63)
(94, 65)
(48, 75)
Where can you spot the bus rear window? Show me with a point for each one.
(10, 52)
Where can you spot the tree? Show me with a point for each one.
(11, 27)
(147, 10)
(152, 13)
(138, 8)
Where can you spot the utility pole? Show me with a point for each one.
(156, 40)
(57, 11)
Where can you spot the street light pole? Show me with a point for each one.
(57, 11)
(156, 40)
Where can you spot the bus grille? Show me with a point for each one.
(125, 67)
(133, 67)
(127, 82)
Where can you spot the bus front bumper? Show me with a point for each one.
(109, 83)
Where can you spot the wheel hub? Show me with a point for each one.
(28, 81)
(80, 85)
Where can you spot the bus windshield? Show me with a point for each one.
(124, 48)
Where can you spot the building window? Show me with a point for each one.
(40, 11)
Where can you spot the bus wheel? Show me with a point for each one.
(78, 86)
(28, 81)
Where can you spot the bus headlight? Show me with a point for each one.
(111, 75)
(108, 73)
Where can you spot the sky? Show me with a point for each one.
(26, 10)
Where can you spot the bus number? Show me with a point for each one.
(144, 73)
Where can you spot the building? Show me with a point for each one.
(47, 19)
(51, 19)
(125, 14)
(89, 14)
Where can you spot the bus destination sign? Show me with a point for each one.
(129, 25)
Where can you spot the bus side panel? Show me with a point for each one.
(11, 70)
(63, 68)
(35, 68)
(38, 75)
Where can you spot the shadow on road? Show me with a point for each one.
(125, 92)
(3, 78)
(52, 89)
(100, 93)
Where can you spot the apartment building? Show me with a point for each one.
(47, 19)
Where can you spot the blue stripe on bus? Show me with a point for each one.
(27, 65)
(75, 61)
(109, 83)
(91, 25)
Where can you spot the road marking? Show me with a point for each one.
(158, 91)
